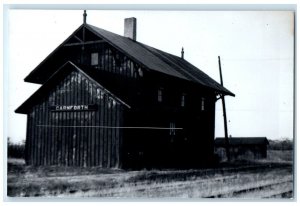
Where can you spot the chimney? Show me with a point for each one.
(130, 28)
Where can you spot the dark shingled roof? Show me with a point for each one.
(149, 57)
(160, 61)
(242, 141)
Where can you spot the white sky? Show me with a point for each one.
(256, 50)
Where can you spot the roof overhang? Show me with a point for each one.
(52, 81)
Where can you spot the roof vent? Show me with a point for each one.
(130, 28)
(182, 53)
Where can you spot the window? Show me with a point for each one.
(202, 104)
(140, 71)
(172, 128)
(183, 100)
(159, 95)
(94, 59)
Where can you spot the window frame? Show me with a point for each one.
(172, 127)
(202, 104)
(183, 100)
(94, 61)
(160, 94)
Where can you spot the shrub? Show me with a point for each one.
(15, 150)
(283, 144)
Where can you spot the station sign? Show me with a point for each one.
(72, 108)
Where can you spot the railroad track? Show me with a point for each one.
(273, 190)
(170, 187)
(194, 183)
(182, 175)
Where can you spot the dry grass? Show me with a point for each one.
(234, 180)
(280, 155)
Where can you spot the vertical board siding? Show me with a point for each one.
(117, 137)
(108, 132)
(101, 163)
(35, 137)
(113, 134)
(113, 61)
(96, 132)
(75, 138)
(104, 122)
(43, 142)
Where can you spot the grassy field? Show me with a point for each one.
(269, 178)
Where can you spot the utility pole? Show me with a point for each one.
(224, 114)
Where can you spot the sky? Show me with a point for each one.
(256, 50)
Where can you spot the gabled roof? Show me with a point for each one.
(242, 141)
(160, 61)
(66, 69)
(190, 71)
(150, 58)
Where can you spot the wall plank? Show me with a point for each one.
(105, 144)
(101, 123)
(113, 133)
(117, 122)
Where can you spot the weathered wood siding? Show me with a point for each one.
(111, 60)
(192, 143)
(75, 138)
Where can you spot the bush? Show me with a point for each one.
(15, 150)
(284, 144)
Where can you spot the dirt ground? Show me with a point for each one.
(264, 179)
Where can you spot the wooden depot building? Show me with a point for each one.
(110, 101)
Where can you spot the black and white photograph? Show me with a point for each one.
(150, 104)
